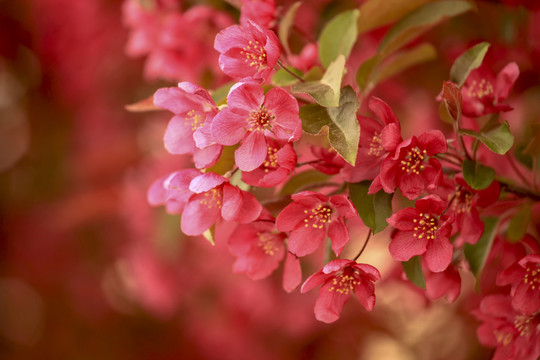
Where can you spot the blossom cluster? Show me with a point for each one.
(443, 186)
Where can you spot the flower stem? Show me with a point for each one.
(290, 72)
(363, 247)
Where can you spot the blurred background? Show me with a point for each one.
(89, 271)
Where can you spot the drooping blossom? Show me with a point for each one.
(524, 277)
(261, 12)
(412, 167)
(513, 334)
(465, 204)
(313, 216)
(483, 92)
(247, 51)
(307, 59)
(328, 161)
(188, 132)
(167, 190)
(258, 248)
(251, 117)
(178, 45)
(423, 231)
(339, 279)
(213, 198)
(378, 138)
(292, 272)
(279, 163)
(446, 283)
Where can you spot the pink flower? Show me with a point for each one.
(279, 163)
(188, 132)
(292, 272)
(251, 117)
(514, 335)
(339, 279)
(328, 160)
(524, 277)
(247, 51)
(311, 217)
(483, 92)
(423, 231)
(378, 138)
(261, 12)
(179, 46)
(465, 205)
(412, 167)
(446, 283)
(213, 199)
(167, 190)
(258, 247)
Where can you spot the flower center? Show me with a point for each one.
(463, 201)
(195, 119)
(524, 324)
(267, 243)
(375, 147)
(260, 119)
(271, 161)
(212, 199)
(254, 54)
(426, 225)
(480, 89)
(344, 284)
(532, 276)
(413, 161)
(318, 216)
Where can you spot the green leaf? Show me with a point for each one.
(373, 209)
(325, 91)
(498, 140)
(419, 21)
(405, 59)
(519, 223)
(338, 37)
(283, 78)
(226, 161)
(477, 254)
(302, 179)
(341, 122)
(366, 70)
(286, 24)
(479, 177)
(413, 270)
(220, 94)
(468, 61)
(377, 13)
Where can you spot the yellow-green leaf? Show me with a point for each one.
(498, 140)
(477, 254)
(341, 122)
(338, 37)
(468, 61)
(478, 176)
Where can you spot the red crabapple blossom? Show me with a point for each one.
(465, 204)
(483, 92)
(513, 334)
(279, 163)
(258, 248)
(524, 277)
(311, 217)
(446, 283)
(423, 231)
(247, 51)
(412, 167)
(251, 117)
(188, 132)
(168, 190)
(212, 199)
(327, 161)
(340, 279)
(261, 12)
(378, 138)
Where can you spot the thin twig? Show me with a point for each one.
(517, 171)
(363, 247)
(290, 72)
